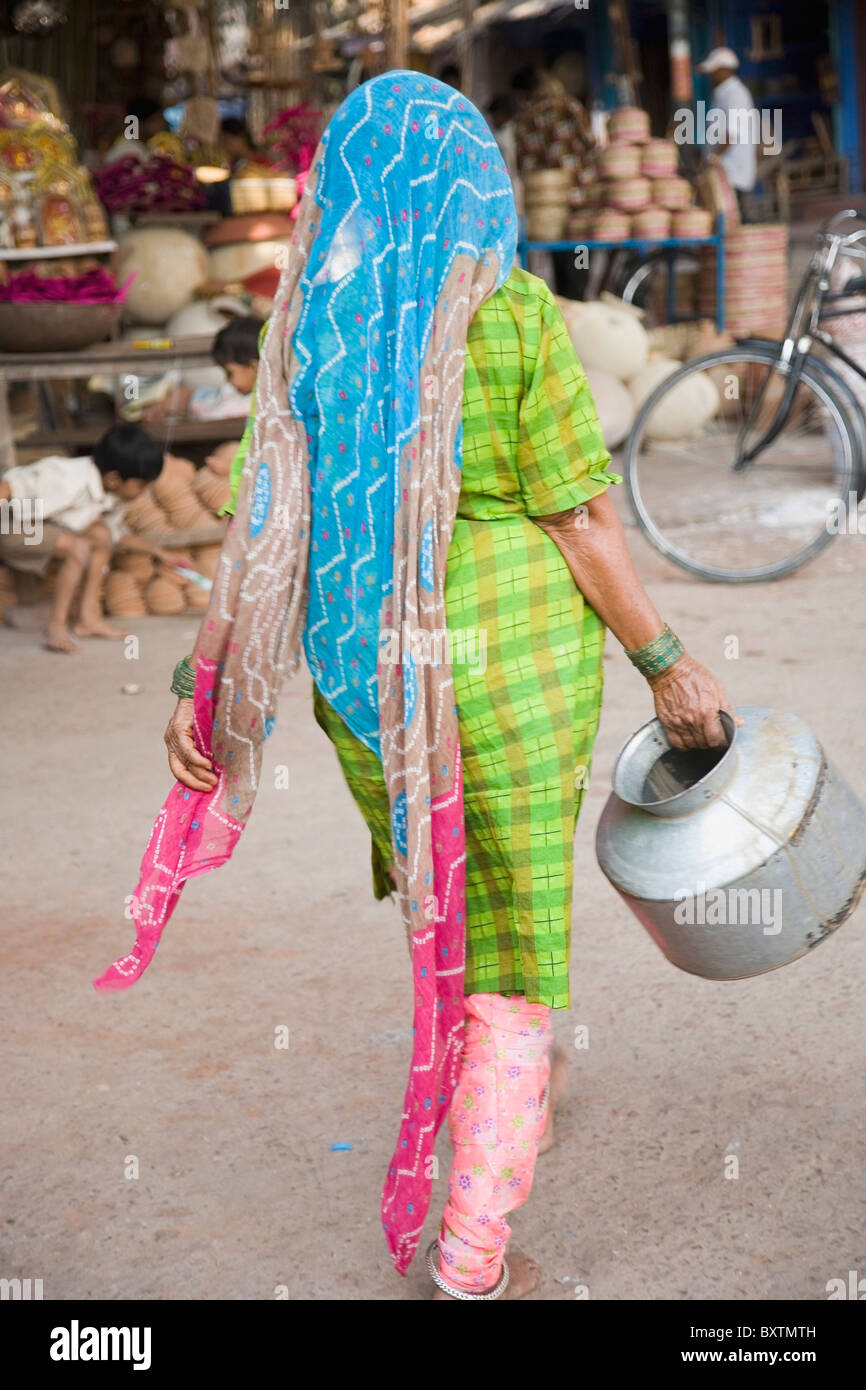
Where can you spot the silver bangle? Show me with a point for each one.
(495, 1292)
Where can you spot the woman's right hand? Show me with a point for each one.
(187, 764)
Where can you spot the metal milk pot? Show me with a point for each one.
(738, 860)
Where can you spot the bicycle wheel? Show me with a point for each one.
(646, 283)
(741, 525)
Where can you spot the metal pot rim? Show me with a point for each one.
(653, 731)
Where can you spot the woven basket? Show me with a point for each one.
(628, 195)
(580, 225)
(756, 279)
(619, 162)
(716, 195)
(672, 193)
(250, 195)
(659, 159)
(652, 222)
(546, 223)
(628, 125)
(611, 225)
(546, 183)
(692, 222)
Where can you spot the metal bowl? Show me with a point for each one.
(55, 326)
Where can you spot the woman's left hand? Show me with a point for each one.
(688, 699)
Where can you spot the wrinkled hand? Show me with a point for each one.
(187, 764)
(688, 699)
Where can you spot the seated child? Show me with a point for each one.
(70, 509)
(236, 350)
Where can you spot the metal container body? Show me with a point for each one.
(749, 867)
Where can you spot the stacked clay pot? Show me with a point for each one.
(212, 489)
(182, 498)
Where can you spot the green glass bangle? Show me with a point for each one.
(658, 655)
(183, 680)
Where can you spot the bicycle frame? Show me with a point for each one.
(802, 329)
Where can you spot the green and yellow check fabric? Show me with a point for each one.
(526, 649)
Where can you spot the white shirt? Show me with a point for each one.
(738, 159)
(70, 490)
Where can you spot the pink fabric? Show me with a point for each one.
(438, 963)
(497, 1117)
(191, 834)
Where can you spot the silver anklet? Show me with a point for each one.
(495, 1292)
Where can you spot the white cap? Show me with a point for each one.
(719, 58)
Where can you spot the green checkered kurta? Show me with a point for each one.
(528, 705)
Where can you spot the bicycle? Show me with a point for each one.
(637, 279)
(779, 455)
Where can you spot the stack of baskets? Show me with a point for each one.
(756, 279)
(633, 190)
(546, 198)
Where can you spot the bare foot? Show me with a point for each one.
(58, 639)
(97, 627)
(558, 1087)
(524, 1276)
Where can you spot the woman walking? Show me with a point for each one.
(423, 508)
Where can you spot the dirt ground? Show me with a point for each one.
(239, 1190)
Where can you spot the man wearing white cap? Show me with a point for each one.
(736, 151)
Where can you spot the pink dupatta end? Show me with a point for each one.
(438, 965)
(190, 836)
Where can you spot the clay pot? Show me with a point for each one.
(123, 596)
(139, 566)
(163, 596)
(207, 559)
(144, 513)
(214, 491)
(195, 596)
(177, 476)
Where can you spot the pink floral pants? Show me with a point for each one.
(496, 1119)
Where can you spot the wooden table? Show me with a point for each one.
(110, 359)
